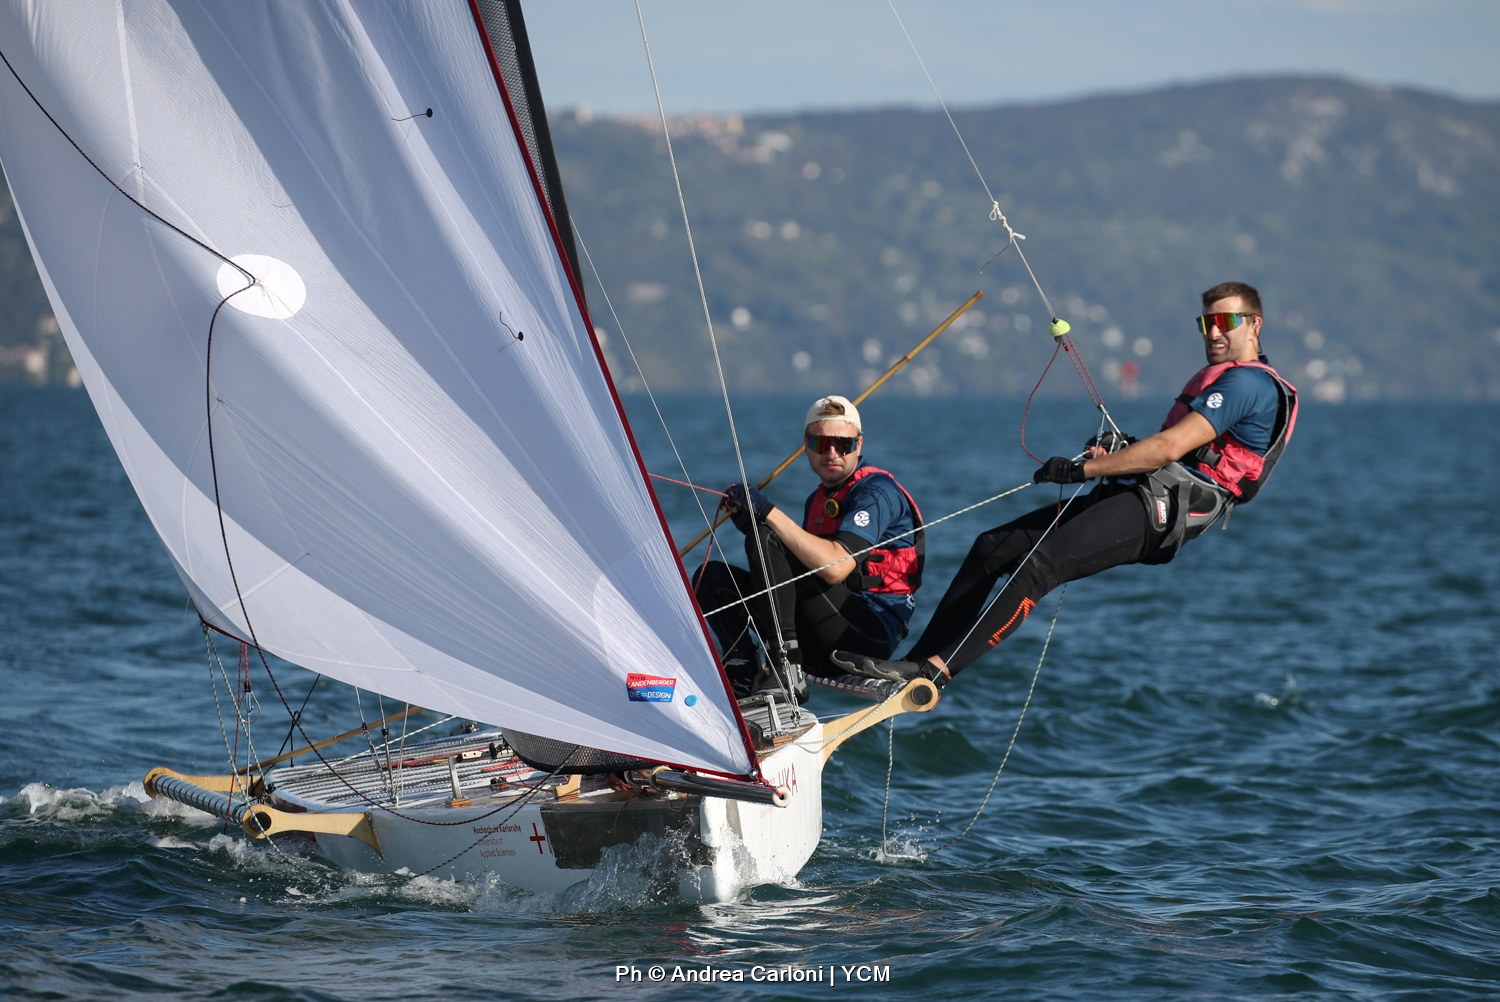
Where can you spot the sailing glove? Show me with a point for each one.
(1110, 441)
(748, 499)
(1058, 470)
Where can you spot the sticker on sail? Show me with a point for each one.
(649, 688)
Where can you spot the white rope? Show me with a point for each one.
(1056, 520)
(709, 320)
(241, 783)
(817, 746)
(1015, 732)
(995, 211)
(859, 553)
(645, 383)
(890, 765)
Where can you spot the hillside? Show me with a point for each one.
(1367, 217)
(831, 241)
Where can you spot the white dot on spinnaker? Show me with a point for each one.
(278, 291)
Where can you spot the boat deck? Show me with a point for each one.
(487, 769)
(489, 772)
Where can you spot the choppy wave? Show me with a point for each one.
(1269, 767)
(44, 802)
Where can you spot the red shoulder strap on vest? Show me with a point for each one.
(882, 568)
(1237, 469)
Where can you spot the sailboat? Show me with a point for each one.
(314, 264)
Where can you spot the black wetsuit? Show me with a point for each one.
(1103, 528)
(822, 617)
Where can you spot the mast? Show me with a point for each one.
(502, 29)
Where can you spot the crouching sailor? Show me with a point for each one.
(1215, 450)
(856, 603)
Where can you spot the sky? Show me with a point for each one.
(791, 55)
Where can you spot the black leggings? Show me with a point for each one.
(1102, 529)
(822, 617)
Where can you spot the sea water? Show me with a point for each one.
(1269, 768)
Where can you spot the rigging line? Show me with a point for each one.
(1056, 520)
(1032, 395)
(684, 483)
(419, 730)
(365, 730)
(859, 553)
(401, 758)
(734, 434)
(240, 782)
(213, 684)
(300, 710)
(708, 519)
(681, 463)
(1015, 732)
(1084, 374)
(815, 746)
(996, 213)
(890, 765)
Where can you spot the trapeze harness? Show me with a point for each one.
(1181, 504)
(885, 569)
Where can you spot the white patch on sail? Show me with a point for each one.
(278, 292)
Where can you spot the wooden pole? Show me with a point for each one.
(900, 362)
(260, 766)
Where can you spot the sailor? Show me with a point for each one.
(859, 603)
(1215, 450)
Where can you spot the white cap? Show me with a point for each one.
(834, 408)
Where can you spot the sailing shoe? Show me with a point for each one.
(892, 671)
(742, 664)
(787, 680)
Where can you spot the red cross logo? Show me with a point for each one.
(538, 838)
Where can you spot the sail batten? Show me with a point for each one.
(426, 482)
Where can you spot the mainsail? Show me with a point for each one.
(426, 484)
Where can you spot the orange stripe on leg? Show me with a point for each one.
(1021, 612)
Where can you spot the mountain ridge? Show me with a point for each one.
(831, 240)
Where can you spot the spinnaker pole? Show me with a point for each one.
(900, 363)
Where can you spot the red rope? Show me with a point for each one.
(684, 483)
(1076, 357)
(1027, 412)
(1064, 343)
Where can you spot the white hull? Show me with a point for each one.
(721, 847)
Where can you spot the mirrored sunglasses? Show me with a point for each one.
(1223, 321)
(842, 444)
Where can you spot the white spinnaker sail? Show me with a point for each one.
(416, 500)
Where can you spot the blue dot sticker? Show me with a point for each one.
(690, 700)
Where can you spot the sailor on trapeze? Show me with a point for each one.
(1228, 428)
(861, 605)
